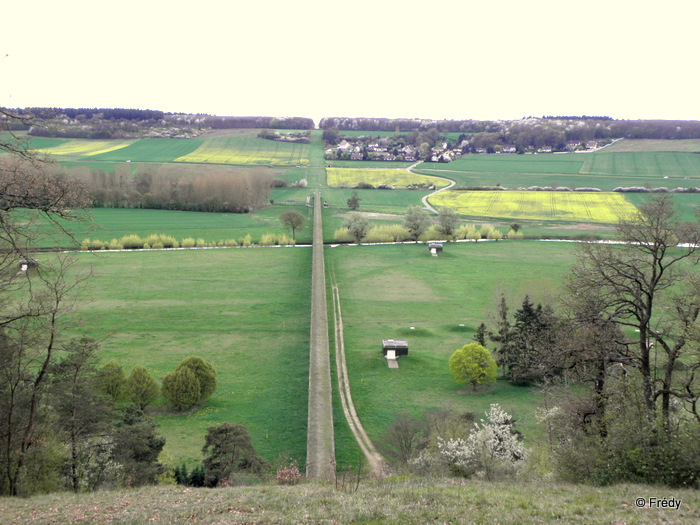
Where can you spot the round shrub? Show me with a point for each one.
(131, 242)
(203, 371)
(181, 388)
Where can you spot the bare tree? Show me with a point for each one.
(33, 297)
(638, 286)
(292, 220)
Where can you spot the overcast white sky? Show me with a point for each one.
(315, 58)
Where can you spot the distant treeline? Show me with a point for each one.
(119, 123)
(215, 122)
(149, 115)
(174, 187)
(88, 113)
(566, 128)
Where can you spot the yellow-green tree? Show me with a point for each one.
(473, 363)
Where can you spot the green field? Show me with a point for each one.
(646, 145)
(571, 206)
(237, 150)
(382, 299)
(151, 150)
(85, 148)
(248, 151)
(245, 310)
(603, 170)
(111, 223)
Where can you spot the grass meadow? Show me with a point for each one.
(245, 310)
(150, 150)
(110, 223)
(386, 290)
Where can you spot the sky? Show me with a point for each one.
(322, 58)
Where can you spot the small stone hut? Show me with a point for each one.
(399, 347)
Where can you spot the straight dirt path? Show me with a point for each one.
(376, 462)
(320, 441)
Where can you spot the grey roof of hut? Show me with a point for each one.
(392, 344)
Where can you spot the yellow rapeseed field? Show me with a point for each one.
(350, 177)
(85, 148)
(606, 207)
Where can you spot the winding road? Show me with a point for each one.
(424, 200)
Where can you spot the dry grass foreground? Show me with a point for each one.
(388, 500)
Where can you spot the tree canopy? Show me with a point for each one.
(473, 363)
(228, 448)
(358, 226)
(292, 220)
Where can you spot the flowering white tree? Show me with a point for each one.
(491, 449)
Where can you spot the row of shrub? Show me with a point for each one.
(619, 189)
(399, 233)
(192, 382)
(159, 241)
(644, 189)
